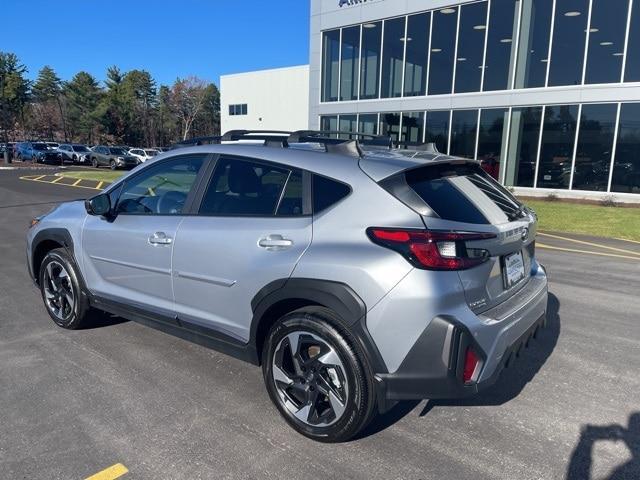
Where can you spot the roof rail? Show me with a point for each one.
(197, 141)
(330, 137)
(266, 135)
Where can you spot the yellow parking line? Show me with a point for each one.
(99, 187)
(627, 240)
(589, 252)
(589, 243)
(111, 473)
(76, 182)
(38, 177)
(56, 180)
(29, 179)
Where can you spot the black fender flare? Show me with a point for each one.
(58, 235)
(337, 296)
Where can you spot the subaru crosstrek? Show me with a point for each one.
(355, 278)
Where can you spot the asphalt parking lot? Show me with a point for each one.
(73, 403)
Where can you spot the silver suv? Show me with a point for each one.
(356, 276)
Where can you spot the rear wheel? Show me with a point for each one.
(63, 298)
(94, 162)
(316, 377)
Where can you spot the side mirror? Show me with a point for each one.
(100, 205)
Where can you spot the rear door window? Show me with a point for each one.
(241, 187)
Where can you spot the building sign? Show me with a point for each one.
(349, 3)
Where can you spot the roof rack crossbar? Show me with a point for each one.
(332, 137)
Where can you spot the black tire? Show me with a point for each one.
(355, 378)
(73, 316)
(94, 163)
(112, 165)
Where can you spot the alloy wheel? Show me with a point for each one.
(310, 379)
(58, 291)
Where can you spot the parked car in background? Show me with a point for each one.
(52, 145)
(75, 153)
(36, 152)
(113, 157)
(143, 154)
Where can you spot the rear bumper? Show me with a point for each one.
(434, 365)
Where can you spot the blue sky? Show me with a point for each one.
(170, 39)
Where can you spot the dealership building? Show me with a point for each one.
(546, 93)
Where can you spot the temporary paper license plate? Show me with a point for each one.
(513, 269)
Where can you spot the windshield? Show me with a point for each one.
(117, 151)
(80, 148)
(40, 146)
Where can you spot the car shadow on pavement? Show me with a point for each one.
(582, 456)
(100, 319)
(511, 382)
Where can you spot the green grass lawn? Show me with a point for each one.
(97, 175)
(613, 222)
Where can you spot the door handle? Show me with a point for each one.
(160, 238)
(275, 242)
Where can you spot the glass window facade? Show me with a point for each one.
(626, 167)
(469, 57)
(595, 147)
(415, 75)
(370, 65)
(464, 127)
(606, 41)
(569, 36)
(490, 139)
(437, 130)
(412, 128)
(483, 45)
(533, 49)
(393, 57)
(330, 65)
(524, 137)
(350, 58)
(368, 123)
(500, 44)
(556, 150)
(568, 146)
(443, 41)
(390, 125)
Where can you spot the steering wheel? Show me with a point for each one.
(171, 202)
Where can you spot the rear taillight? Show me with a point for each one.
(433, 250)
(471, 362)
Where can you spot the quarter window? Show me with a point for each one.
(327, 192)
(161, 189)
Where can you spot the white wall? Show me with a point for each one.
(276, 99)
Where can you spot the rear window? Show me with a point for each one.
(327, 192)
(440, 188)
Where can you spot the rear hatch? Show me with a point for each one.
(456, 195)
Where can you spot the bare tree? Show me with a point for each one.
(187, 100)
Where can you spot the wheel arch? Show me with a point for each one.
(284, 296)
(45, 241)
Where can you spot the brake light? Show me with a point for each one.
(433, 250)
(471, 362)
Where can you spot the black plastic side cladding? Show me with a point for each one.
(336, 296)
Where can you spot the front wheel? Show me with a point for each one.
(63, 298)
(112, 165)
(94, 163)
(317, 377)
